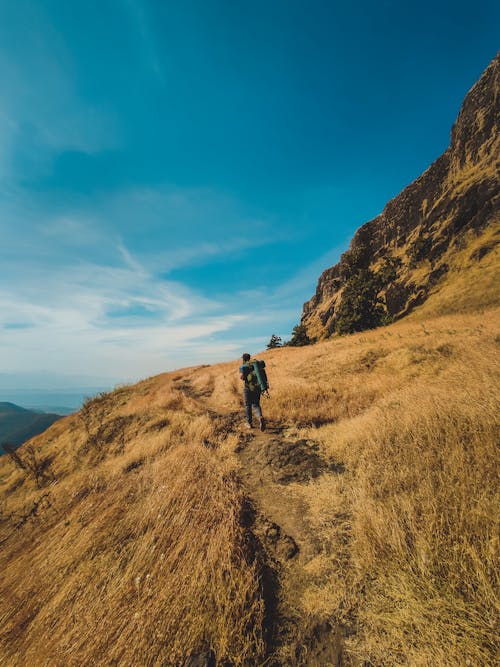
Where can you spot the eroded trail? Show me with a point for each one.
(274, 464)
(269, 463)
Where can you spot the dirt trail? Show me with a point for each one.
(269, 462)
(267, 465)
(278, 518)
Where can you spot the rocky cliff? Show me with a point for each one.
(435, 227)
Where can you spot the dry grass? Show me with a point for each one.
(458, 291)
(140, 559)
(410, 532)
(424, 509)
(138, 556)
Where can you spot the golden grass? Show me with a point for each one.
(138, 555)
(422, 503)
(470, 283)
(139, 560)
(410, 532)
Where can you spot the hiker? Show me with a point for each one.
(252, 392)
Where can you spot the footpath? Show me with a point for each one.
(272, 464)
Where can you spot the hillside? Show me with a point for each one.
(362, 524)
(360, 529)
(19, 424)
(435, 237)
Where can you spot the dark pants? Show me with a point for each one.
(252, 399)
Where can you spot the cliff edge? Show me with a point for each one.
(445, 220)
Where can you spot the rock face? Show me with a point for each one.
(423, 230)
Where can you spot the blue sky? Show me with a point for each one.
(174, 176)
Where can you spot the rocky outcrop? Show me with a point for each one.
(427, 224)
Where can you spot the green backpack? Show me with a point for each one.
(258, 377)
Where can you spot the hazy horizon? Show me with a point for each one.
(55, 402)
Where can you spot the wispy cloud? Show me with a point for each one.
(90, 317)
(200, 253)
(306, 276)
(88, 284)
(41, 111)
(142, 26)
(84, 301)
(73, 293)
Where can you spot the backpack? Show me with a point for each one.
(259, 372)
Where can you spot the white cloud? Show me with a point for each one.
(76, 332)
(75, 297)
(84, 286)
(115, 317)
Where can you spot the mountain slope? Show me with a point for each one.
(428, 237)
(362, 524)
(360, 529)
(19, 424)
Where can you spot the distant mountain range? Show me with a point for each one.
(19, 424)
(59, 401)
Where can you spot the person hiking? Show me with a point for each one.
(252, 392)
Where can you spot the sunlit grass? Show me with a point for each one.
(138, 555)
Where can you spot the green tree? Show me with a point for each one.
(276, 341)
(360, 307)
(299, 336)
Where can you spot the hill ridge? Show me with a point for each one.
(435, 228)
(360, 527)
(18, 424)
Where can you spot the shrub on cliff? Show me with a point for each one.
(360, 307)
(299, 337)
(276, 341)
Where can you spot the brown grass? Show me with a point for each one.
(138, 555)
(410, 532)
(420, 572)
(139, 560)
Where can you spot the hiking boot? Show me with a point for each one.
(249, 425)
(262, 424)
